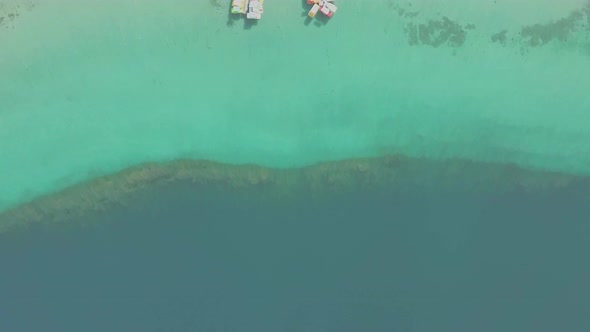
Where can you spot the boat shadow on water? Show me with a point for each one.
(248, 24)
(232, 19)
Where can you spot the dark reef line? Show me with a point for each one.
(324, 180)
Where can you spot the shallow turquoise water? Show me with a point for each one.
(90, 88)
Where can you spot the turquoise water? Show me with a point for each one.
(442, 234)
(89, 88)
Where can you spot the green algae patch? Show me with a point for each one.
(562, 29)
(500, 37)
(318, 182)
(436, 33)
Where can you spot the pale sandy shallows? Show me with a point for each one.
(90, 88)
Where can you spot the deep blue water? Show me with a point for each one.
(188, 258)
